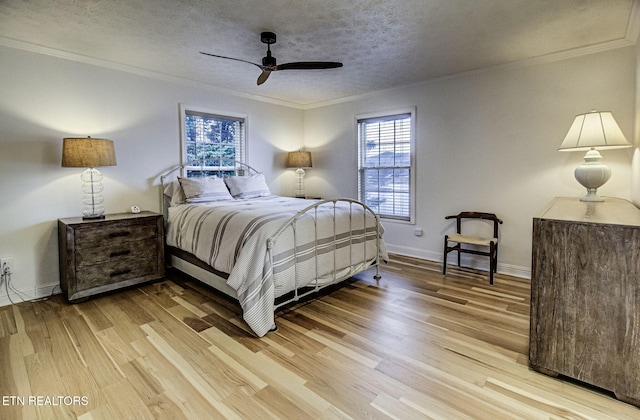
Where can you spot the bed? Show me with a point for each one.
(226, 229)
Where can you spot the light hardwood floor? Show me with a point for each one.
(414, 345)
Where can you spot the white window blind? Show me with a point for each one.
(218, 138)
(384, 162)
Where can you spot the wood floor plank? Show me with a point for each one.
(14, 381)
(7, 322)
(118, 318)
(102, 412)
(40, 365)
(395, 408)
(121, 351)
(282, 380)
(82, 383)
(35, 326)
(94, 316)
(124, 401)
(90, 349)
(145, 384)
(251, 407)
(282, 406)
(178, 389)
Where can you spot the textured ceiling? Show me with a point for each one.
(382, 43)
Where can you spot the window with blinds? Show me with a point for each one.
(385, 172)
(220, 139)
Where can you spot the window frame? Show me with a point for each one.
(186, 109)
(411, 111)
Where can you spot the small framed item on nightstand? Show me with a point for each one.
(102, 255)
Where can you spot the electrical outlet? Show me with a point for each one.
(417, 231)
(6, 263)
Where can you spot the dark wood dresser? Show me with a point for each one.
(98, 256)
(585, 294)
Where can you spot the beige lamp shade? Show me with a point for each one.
(299, 160)
(88, 153)
(594, 130)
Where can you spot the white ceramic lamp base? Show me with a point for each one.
(592, 174)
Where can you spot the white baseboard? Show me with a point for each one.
(40, 292)
(467, 261)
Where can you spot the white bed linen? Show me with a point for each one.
(231, 236)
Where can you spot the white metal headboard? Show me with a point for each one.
(210, 166)
(202, 168)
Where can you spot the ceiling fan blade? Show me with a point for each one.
(235, 59)
(263, 76)
(308, 65)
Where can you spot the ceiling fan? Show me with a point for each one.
(269, 62)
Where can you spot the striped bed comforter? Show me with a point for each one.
(324, 245)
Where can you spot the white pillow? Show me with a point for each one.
(173, 193)
(247, 186)
(202, 190)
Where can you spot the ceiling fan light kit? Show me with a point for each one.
(269, 63)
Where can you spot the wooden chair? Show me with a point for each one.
(475, 241)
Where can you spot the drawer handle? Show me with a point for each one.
(120, 272)
(118, 234)
(120, 253)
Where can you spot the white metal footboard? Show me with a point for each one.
(301, 290)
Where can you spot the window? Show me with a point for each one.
(213, 136)
(385, 164)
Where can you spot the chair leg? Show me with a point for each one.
(444, 256)
(492, 261)
(495, 255)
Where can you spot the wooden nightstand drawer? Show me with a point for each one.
(121, 250)
(131, 250)
(115, 233)
(114, 272)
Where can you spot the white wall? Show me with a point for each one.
(44, 99)
(486, 141)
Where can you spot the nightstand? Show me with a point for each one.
(98, 256)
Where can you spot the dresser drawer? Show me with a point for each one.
(97, 236)
(123, 251)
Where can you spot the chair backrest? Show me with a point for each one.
(475, 215)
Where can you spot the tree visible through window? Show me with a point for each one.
(384, 165)
(217, 138)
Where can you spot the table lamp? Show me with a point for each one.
(591, 132)
(89, 153)
(299, 160)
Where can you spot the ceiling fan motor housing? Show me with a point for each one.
(268, 37)
(269, 61)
